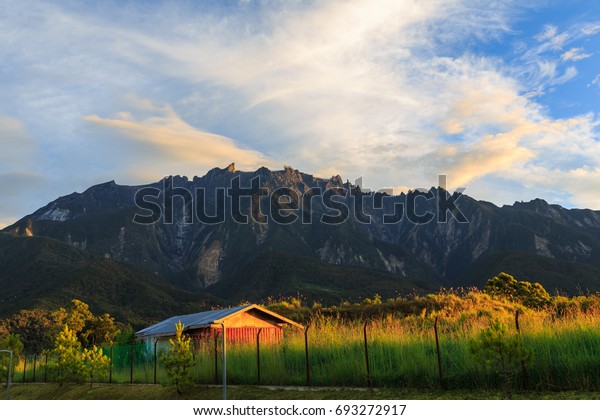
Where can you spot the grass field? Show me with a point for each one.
(560, 349)
(150, 392)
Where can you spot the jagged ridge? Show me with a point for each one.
(197, 255)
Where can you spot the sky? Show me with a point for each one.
(503, 97)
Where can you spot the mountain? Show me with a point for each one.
(43, 272)
(466, 242)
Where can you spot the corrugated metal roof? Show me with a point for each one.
(203, 319)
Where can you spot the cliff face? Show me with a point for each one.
(197, 255)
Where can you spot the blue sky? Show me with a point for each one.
(502, 96)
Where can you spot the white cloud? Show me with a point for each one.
(591, 29)
(569, 73)
(574, 54)
(164, 140)
(550, 39)
(549, 32)
(542, 61)
(387, 91)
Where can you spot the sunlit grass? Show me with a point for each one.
(564, 349)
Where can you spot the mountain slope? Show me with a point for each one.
(582, 278)
(281, 274)
(42, 272)
(223, 256)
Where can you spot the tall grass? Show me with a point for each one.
(563, 344)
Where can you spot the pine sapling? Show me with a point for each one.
(179, 360)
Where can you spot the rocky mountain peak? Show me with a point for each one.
(217, 173)
(198, 254)
(532, 204)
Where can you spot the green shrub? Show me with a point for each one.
(532, 295)
(10, 342)
(69, 364)
(179, 360)
(500, 350)
(96, 364)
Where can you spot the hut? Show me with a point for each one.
(242, 324)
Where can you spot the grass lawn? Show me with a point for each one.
(153, 392)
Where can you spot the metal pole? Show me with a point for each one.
(155, 341)
(369, 381)
(258, 353)
(9, 372)
(10, 363)
(46, 369)
(306, 355)
(34, 362)
(437, 347)
(131, 363)
(215, 335)
(224, 362)
(111, 364)
(24, 369)
(525, 379)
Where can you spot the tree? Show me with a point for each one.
(504, 285)
(69, 365)
(75, 316)
(375, 301)
(3, 329)
(500, 351)
(10, 342)
(179, 359)
(99, 330)
(36, 329)
(96, 363)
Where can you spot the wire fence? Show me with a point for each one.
(371, 354)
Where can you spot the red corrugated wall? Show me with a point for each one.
(240, 334)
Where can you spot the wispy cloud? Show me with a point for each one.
(574, 54)
(591, 28)
(507, 134)
(548, 33)
(164, 140)
(17, 145)
(19, 181)
(390, 91)
(542, 62)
